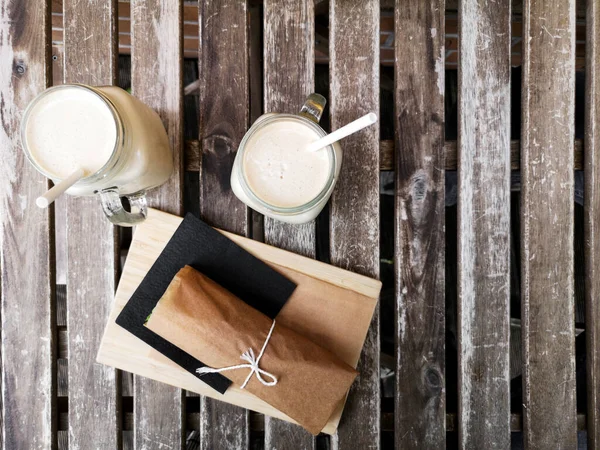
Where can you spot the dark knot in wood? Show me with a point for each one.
(419, 186)
(19, 67)
(433, 380)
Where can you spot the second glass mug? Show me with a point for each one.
(309, 116)
(141, 158)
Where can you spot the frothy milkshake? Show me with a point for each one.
(70, 129)
(74, 126)
(275, 174)
(278, 168)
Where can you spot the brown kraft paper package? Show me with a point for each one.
(213, 325)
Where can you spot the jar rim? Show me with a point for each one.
(260, 123)
(119, 138)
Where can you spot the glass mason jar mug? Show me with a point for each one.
(273, 172)
(119, 142)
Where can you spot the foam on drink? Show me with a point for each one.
(279, 170)
(70, 128)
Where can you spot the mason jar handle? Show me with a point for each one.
(112, 206)
(313, 107)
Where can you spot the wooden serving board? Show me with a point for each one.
(123, 350)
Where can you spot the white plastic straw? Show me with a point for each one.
(45, 200)
(346, 130)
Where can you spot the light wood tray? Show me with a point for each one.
(123, 350)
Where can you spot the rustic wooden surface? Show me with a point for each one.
(26, 242)
(224, 117)
(419, 123)
(94, 398)
(288, 48)
(517, 6)
(547, 310)
(592, 223)
(157, 80)
(354, 206)
(321, 44)
(94, 419)
(484, 225)
(387, 155)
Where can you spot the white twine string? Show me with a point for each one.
(248, 355)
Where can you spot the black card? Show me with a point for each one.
(196, 244)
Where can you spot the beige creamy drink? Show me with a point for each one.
(71, 128)
(120, 142)
(276, 175)
(278, 168)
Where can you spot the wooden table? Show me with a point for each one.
(55, 395)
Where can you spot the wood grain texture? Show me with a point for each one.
(157, 80)
(547, 309)
(94, 397)
(387, 158)
(516, 423)
(484, 225)
(224, 104)
(62, 372)
(354, 207)
(592, 222)
(26, 239)
(419, 113)
(224, 116)
(517, 6)
(288, 49)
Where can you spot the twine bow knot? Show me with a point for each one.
(253, 362)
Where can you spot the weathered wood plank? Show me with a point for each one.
(386, 155)
(26, 239)
(592, 222)
(224, 101)
(484, 225)
(354, 207)
(90, 57)
(63, 369)
(516, 422)
(157, 80)
(288, 48)
(224, 116)
(547, 309)
(517, 6)
(419, 114)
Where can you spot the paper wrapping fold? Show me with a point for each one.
(207, 321)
